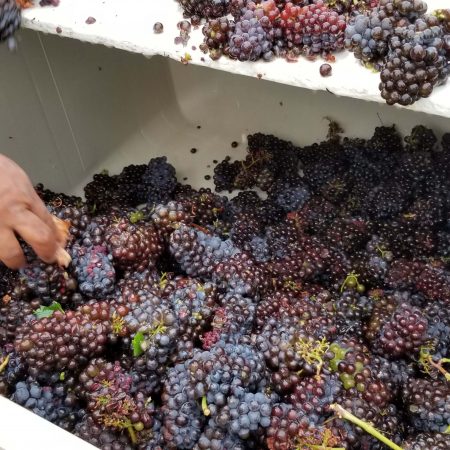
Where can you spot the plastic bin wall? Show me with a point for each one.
(68, 109)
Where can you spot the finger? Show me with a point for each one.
(57, 226)
(38, 234)
(62, 227)
(11, 253)
(38, 207)
(62, 257)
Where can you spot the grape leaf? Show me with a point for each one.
(137, 343)
(47, 311)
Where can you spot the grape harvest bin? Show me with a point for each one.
(69, 109)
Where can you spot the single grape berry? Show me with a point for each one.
(325, 70)
(158, 28)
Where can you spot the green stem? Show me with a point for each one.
(205, 409)
(344, 414)
(132, 433)
(4, 363)
(321, 447)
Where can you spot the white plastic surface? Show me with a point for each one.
(68, 109)
(128, 25)
(22, 430)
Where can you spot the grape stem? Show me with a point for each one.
(438, 366)
(132, 434)
(205, 409)
(4, 363)
(344, 414)
(321, 447)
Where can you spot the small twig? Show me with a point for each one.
(132, 434)
(205, 409)
(379, 118)
(4, 363)
(438, 366)
(321, 447)
(346, 415)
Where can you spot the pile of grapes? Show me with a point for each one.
(311, 311)
(410, 48)
(398, 38)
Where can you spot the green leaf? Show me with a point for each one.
(47, 311)
(62, 376)
(137, 343)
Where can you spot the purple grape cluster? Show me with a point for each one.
(52, 403)
(94, 270)
(159, 180)
(197, 252)
(251, 39)
(10, 20)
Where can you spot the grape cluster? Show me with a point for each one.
(197, 251)
(64, 340)
(107, 391)
(205, 8)
(405, 333)
(212, 323)
(52, 403)
(168, 217)
(240, 274)
(133, 246)
(157, 328)
(250, 41)
(94, 270)
(395, 37)
(47, 281)
(263, 30)
(194, 304)
(425, 441)
(313, 29)
(217, 34)
(407, 46)
(289, 196)
(10, 19)
(159, 180)
(100, 436)
(427, 402)
(416, 64)
(14, 370)
(222, 384)
(100, 192)
(14, 313)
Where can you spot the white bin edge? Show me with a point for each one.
(129, 26)
(22, 430)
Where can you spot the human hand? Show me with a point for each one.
(23, 213)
